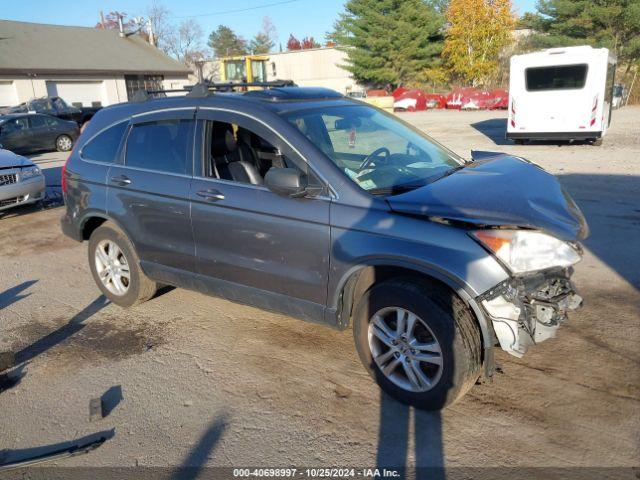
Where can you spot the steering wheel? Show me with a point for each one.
(376, 153)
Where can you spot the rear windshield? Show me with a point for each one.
(559, 77)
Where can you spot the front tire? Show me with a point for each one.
(64, 143)
(418, 341)
(115, 267)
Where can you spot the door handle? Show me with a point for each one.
(121, 180)
(211, 195)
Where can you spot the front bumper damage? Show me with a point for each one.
(528, 310)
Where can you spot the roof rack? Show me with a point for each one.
(204, 89)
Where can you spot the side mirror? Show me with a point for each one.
(286, 181)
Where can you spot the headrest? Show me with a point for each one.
(248, 138)
(222, 140)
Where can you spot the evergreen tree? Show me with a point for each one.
(225, 42)
(260, 44)
(389, 41)
(614, 24)
(264, 40)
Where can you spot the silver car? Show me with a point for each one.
(21, 181)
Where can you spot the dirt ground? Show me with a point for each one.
(194, 381)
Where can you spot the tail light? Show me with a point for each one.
(63, 179)
(593, 111)
(513, 113)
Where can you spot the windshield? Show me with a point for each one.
(378, 152)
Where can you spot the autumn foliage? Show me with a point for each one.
(478, 32)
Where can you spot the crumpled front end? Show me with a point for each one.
(529, 309)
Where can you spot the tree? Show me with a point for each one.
(478, 32)
(185, 44)
(614, 24)
(110, 21)
(158, 16)
(293, 43)
(389, 41)
(225, 42)
(264, 40)
(309, 42)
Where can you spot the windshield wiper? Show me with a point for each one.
(395, 189)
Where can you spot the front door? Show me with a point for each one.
(257, 246)
(15, 135)
(149, 188)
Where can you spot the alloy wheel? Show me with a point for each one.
(405, 349)
(65, 143)
(112, 267)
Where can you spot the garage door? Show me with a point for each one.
(8, 96)
(86, 93)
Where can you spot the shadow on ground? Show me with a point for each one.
(198, 456)
(610, 205)
(14, 294)
(75, 324)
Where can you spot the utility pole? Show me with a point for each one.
(152, 38)
(102, 18)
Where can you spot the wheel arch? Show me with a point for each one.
(360, 278)
(92, 220)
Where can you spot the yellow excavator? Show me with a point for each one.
(244, 69)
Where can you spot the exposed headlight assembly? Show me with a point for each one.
(527, 250)
(30, 172)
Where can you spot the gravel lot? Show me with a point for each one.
(199, 381)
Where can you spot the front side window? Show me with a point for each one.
(51, 121)
(161, 146)
(558, 77)
(104, 146)
(378, 152)
(37, 121)
(235, 153)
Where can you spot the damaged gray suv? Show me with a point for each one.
(318, 206)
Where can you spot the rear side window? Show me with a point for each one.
(104, 146)
(559, 77)
(161, 146)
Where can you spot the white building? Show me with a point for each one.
(87, 66)
(317, 67)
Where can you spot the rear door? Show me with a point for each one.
(42, 135)
(247, 235)
(149, 187)
(557, 99)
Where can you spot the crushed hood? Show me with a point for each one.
(498, 190)
(9, 159)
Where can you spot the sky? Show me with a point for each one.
(300, 17)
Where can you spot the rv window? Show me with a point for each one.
(559, 77)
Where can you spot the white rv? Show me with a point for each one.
(561, 94)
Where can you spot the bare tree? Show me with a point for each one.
(185, 44)
(158, 15)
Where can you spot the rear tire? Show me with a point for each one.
(597, 142)
(115, 267)
(441, 316)
(64, 143)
